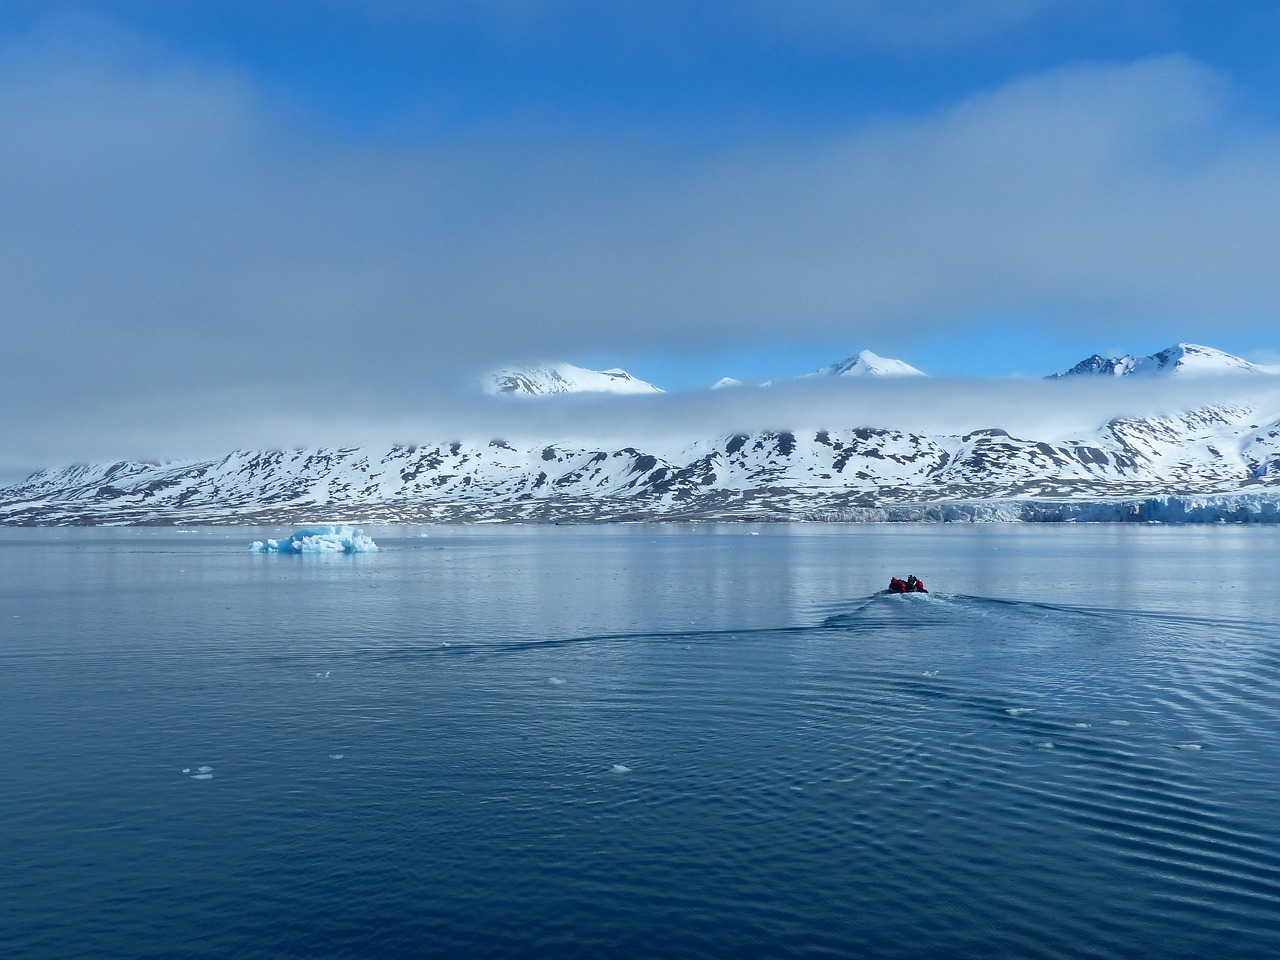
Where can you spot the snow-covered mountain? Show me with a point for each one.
(867, 364)
(547, 379)
(1182, 359)
(1211, 460)
(537, 380)
(1220, 451)
(864, 364)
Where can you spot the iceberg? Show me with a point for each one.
(324, 539)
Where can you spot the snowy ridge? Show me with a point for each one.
(867, 472)
(1182, 359)
(1213, 461)
(539, 380)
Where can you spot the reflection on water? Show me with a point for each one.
(648, 741)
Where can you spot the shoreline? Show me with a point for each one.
(1167, 509)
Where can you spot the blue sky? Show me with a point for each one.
(217, 211)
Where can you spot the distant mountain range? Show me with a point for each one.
(1182, 359)
(549, 379)
(1209, 461)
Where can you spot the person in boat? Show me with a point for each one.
(910, 585)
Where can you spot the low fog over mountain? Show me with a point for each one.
(1187, 433)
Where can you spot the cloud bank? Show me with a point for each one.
(190, 266)
(1037, 409)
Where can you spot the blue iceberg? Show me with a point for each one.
(325, 539)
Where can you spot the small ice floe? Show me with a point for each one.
(1046, 745)
(1188, 746)
(202, 773)
(336, 756)
(1082, 726)
(324, 539)
(1119, 723)
(619, 768)
(1019, 711)
(929, 673)
(555, 681)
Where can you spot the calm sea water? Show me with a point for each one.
(642, 741)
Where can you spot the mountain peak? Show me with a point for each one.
(1181, 359)
(868, 364)
(544, 379)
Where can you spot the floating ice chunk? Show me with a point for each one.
(1188, 746)
(324, 539)
(1082, 726)
(336, 756)
(555, 681)
(1119, 723)
(929, 673)
(202, 776)
(619, 768)
(1047, 745)
(186, 769)
(1019, 711)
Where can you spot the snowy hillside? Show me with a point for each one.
(1068, 456)
(1216, 451)
(1182, 359)
(539, 380)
